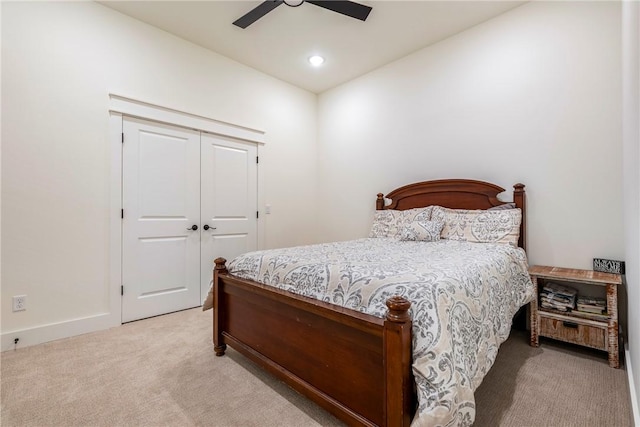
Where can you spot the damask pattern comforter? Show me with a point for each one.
(464, 296)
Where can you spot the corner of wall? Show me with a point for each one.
(632, 388)
(630, 33)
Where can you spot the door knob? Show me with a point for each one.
(193, 227)
(206, 227)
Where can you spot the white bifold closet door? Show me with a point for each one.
(188, 198)
(229, 201)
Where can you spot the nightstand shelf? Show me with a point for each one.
(595, 331)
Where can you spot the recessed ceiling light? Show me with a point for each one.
(316, 60)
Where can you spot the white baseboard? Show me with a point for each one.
(632, 386)
(55, 331)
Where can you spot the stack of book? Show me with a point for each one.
(592, 305)
(558, 297)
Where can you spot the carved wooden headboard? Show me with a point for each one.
(454, 194)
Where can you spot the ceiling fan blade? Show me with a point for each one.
(257, 13)
(349, 8)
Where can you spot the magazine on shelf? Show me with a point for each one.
(591, 304)
(592, 301)
(557, 297)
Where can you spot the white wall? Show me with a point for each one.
(533, 96)
(60, 60)
(631, 187)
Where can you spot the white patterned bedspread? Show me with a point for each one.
(464, 296)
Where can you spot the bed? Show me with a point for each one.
(359, 363)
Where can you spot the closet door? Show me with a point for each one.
(161, 201)
(229, 201)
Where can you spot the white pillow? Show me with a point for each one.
(503, 206)
(386, 223)
(423, 231)
(417, 214)
(482, 226)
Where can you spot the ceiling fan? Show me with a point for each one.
(349, 8)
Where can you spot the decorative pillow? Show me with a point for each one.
(425, 231)
(509, 205)
(482, 226)
(417, 214)
(386, 223)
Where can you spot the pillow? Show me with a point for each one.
(417, 214)
(509, 205)
(482, 226)
(386, 223)
(424, 231)
(389, 223)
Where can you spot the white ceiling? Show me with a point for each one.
(279, 43)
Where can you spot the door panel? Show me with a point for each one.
(162, 171)
(169, 252)
(161, 200)
(229, 201)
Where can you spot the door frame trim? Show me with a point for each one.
(158, 113)
(121, 106)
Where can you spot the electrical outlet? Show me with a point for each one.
(19, 303)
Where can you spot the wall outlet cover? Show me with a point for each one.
(19, 303)
(608, 266)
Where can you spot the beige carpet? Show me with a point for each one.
(556, 384)
(162, 372)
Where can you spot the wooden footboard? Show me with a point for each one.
(356, 366)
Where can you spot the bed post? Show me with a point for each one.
(521, 202)
(397, 363)
(380, 202)
(220, 268)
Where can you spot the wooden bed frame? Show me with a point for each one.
(354, 365)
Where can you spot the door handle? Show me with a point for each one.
(206, 227)
(193, 227)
